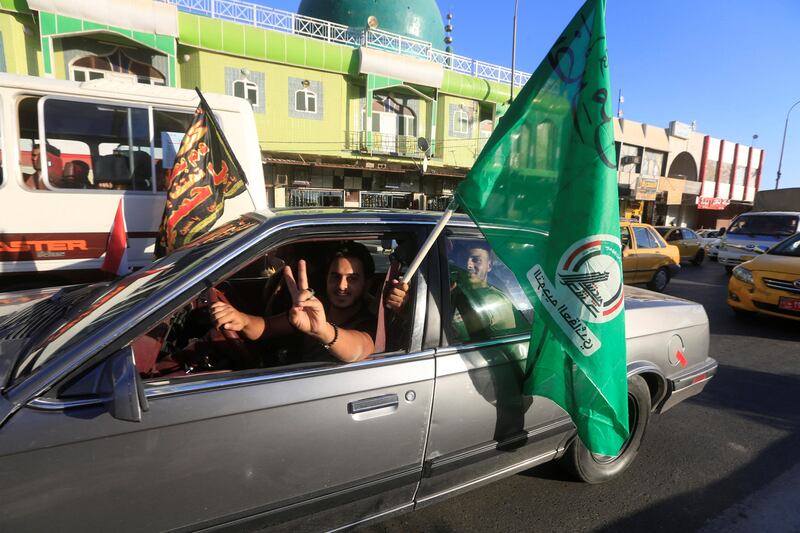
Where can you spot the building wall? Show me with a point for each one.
(21, 49)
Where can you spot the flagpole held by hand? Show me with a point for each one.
(412, 269)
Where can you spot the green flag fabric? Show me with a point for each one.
(548, 173)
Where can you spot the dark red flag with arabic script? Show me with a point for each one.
(205, 174)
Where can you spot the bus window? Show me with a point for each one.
(168, 130)
(114, 143)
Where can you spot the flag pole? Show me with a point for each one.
(426, 246)
(213, 121)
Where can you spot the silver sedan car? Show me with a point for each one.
(123, 407)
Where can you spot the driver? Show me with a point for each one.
(340, 328)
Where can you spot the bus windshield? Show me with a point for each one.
(773, 225)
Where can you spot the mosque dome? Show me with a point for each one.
(419, 19)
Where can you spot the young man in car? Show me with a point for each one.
(339, 329)
(479, 309)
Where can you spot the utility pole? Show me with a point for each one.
(514, 49)
(780, 159)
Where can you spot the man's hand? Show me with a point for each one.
(227, 317)
(307, 313)
(395, 296)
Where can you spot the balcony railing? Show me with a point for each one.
(287, 22)
(384, 143)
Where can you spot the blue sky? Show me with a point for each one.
(732, 65)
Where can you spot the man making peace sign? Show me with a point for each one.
(341, 328)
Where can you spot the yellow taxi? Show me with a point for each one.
(688, 242)
(769, 283)
(646, 258)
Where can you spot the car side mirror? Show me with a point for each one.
(127, 399)
(721, 232)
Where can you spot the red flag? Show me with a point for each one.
(116, 261)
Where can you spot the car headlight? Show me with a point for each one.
(742, 274)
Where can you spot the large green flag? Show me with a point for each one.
(548, 172)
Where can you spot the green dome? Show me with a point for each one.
(419, 19)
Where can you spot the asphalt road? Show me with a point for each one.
(725, 460)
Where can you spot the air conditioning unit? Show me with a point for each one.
(281, 180)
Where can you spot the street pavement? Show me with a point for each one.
(725, 460)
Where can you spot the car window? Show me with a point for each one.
(625, 236)
(189, 344)
(657, 239)
(486, 301)
(674, 235)
(688, 234)
(643, 238)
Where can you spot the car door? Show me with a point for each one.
(691, 243)
(675, 237)
(630, 262)
(308, 448)
(481, 424)
(647, 253)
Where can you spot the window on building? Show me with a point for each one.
(461, 121)
(305, 100)
(116, 65)
(246, 89)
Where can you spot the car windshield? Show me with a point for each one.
(773, 225)
(103, 304)
(790, 247)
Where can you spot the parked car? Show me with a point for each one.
(689, 244)
(122, 398)
(646, 258)
(770, 283)
(755, 230)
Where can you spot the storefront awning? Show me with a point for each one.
(145, 16)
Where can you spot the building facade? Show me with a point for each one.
(362, 107)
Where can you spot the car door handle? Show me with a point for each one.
(371, 404)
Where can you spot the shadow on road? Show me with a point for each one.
(763, 398)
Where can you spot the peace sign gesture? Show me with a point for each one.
(307, 314)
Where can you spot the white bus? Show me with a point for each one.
(71, 151)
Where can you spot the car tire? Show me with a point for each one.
(698, 258)
(591, 468)
(659, 281)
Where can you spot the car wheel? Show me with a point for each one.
(594, 468)
(698, 258)
(660, 280)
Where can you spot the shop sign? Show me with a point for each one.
(646, 188)
(716, 204)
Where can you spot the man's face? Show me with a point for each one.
(346, 283)
(36, 159)
(478, 264)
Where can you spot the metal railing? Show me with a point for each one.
(384, 143)
(287, 22)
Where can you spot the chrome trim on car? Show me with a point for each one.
(155, 391)
(782, 285)
(450, 350)
(53, 404)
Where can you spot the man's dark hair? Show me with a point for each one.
(353, 250)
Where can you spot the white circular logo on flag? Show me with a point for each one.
(590, 269)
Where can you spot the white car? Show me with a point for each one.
(709, 240)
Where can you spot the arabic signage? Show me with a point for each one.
(716, 204)
(646, 188)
